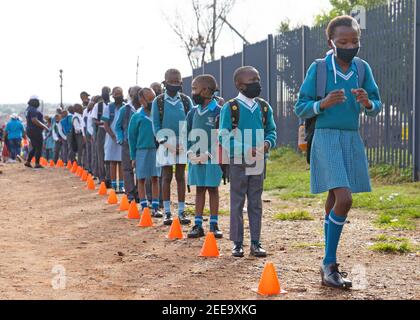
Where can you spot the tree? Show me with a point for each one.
(341, 7)
(202, 35)
(284, 26)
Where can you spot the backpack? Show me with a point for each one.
(112, 112)
(321, 85)
(234, 111)
(161, 105)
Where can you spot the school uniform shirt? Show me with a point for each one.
(121, 125)
(14, 129)
(112, 149)
(204, 120)
(338, 158)
(95, 112)
(66, 124)
(173, 116)
(57, 131)
(140, 133)
(78, 124)
(250, 123)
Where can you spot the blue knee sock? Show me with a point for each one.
(167, 206)
(121, 184)
(198, 220)
(181, 208)
(326, 223)
(335, 227)
(143, 203)
(214, 219)
(114, 184)
(155, 204)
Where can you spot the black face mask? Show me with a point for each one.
(347, 55)
(198, 99)
(252, 90)
(34, 103)
(173, 90)
(119, 100)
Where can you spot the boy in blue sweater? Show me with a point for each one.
(203, 173)
(337, 154)
(169, 112)
(142, 144)
(247, 133)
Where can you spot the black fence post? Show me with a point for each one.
(271, 68)
(416, 107)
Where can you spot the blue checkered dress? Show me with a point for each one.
(338, 160)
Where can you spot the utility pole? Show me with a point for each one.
(213, 43)
(137, 72)
(61, 88)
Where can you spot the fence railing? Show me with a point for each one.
(390, 43)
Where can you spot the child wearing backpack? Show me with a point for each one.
(247, 133)
(204, 173)
(169, 111)
(337, 154)
(112, 148)
(142, 144)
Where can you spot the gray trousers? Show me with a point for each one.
(70, 155)
(80, 149)
(100, 154)
(94, 166)
(251, 188)
(65, 151)
(57, 150)
(128, 172)
(87, 154)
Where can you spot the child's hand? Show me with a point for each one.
(133, 164)
(170, 147)
(362, 97)
(333, 98)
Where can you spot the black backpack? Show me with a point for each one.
(321, 86)
(161, 104)
(235, 114)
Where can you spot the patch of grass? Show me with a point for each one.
(294, 216)
(389, 221)
(383, 237)
(390, 174)
(394, 248)
(305, 245)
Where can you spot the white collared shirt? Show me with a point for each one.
(78, 125)
(249, 102)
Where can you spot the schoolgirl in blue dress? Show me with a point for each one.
(338, 160)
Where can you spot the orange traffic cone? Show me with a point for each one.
(79, 172)
(146, 219)
(60, 163)
(175, 232)
(112, 199)
(103, 190)
(74, 167)
(84, 176)
(90, 184)
(210, 249)
(52, 164)
(269, 283)
(69, 165)
(133, 211)
(33, 160)
(125, 205)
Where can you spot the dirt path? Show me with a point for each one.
(48, 220)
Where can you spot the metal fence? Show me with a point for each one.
(389, 43)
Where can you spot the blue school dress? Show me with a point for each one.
(204, 121)
(338, 157)
(112, 149)
(142, 144)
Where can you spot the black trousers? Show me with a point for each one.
(36, 143)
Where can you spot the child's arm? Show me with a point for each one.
(106, 119)
(119, 132)
(270, 131)
(155, 118)
(307, 107)
(372, 91)
(133, 131)
(225, 127)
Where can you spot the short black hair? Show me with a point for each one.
(209, 80)
(345, 21)
(242, 70)
(172, 72)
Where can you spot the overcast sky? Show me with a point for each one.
(96, 42)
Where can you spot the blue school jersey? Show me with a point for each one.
(14, 129)
(343, 116)
(250, 125)
(140, 133)
(121, 128)
(173, 116)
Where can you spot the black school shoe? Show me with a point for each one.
(238, 251)
(183, 219)
(38, 166)
(28, 164)
(217, 233)
(258, 251)
(196, 232)
(167, 220)
(157, 214)
(333, 278)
